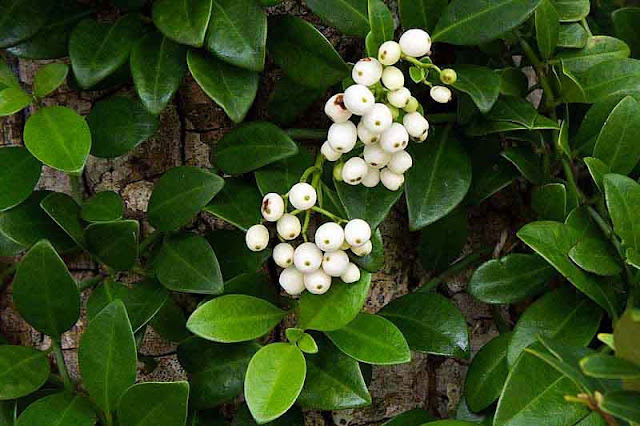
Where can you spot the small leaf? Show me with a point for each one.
(369, 204)
(598, 170)
(528, 163)
(622, 404)
(597, 256)
(572, 10)
(12, 100)
(487, 373)
(572, 36)
(482, 84)
(307, 344)
(609, 367)
(382, 26)
(114, 243)
(152, 403)
(231, 203)
(347, 16)
(66, 213)
(104, 206)
(625, 24)
(547, 28)
(549, 201)
(184, 22)
(19, 174)
(22, 19)
(49, 78)
(520, 111)
(59, 409)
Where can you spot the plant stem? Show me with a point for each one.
(305, 226)
(150, 239)
(585, 25)
(83, 285)
(571, 180)
(307, 134)
(419, 64)
(328, 214)
(62, 366)
(540, 71)
(459, 266)
(76, 187)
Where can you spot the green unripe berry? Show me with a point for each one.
(337, 171)
(412, 105)
(448, 76)
(395, 112)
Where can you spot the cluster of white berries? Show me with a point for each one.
(311, 265)
(388, 116)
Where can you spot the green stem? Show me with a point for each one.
(76, 187)
(571, 180)
(585, 25)
(307, 134)
(307, 173)
(148, 241)
(83, 285)
(305, 226)
(419, 64)
(328, 214)
(459, 266)
(108, 418)
(540, 71)
(62, 366)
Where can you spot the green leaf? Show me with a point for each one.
(234, 318)
(572, 10)
(170, 322)
(253, 146)
(9, 248)
(303, 53)
(382, 26)
(307, 344)
(289, 100)
(107, 356)
(528, 163)
(183, 21)
(59, 409)
(334, 381)
(512, 82)
(372, 339)
(336, 308)
(434, 194)
(114, 243)
(572, 36)
(442, 242)
(157, 66)
(623, 198)
(593, 122)
(626, 337)
(49, 78)
(472, 22)
(609, 367)
(370, 204)
(491, 174)
(421, 13)
(280, 176)
(97, 50)
(430, 323)
(597, 256)
(7, 77)
(374, 261)
(549, 201)
(487, 373)
(66, 213)
(154, 404)
(350, 17)
(622, 404)
(597, 50)
(238, 259)
(547, 28)
(243, 417)
(187, 263)
(21, 19)
(19, 174)
(561, 315)
(234, 89)
(615, 144)
(625, 24)
(104, 206)
(231, 203)
(510, 279)
(256, 284)
(58, 137)
(520, 111)
(612, 79)
(274, 380)
(216, 370)
(12, 100)
(180, 194)
(237, 33)
(417, 416)
(482, 84)
(23, 370)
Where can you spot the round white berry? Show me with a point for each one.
(329, 153)
(378, 119)
(317, 282)
(390, 180)
(292, 281)
(307, 257)
(375, 156)
(415, 43)
(303, 196)
(272, 207)
(415, 124)
(399, 98)
(367, 136)
(412, 105)
(392, 78)
(367, 71)
(345, 246)
(372, 179)
(289, 226)
(336, 110)
(352, 274)
(283, 255)
(329, 236)
(400, 162)
(342, 137)
(335, 263)
(354, 170)
(389, 53)
(257, 238)
(357, 232)
(395, 138)
(363, 250)
(358, 99)
(441, 94)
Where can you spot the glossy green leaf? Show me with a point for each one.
(256, 284)
(280, 176)
(336, 308)
(526, 161)
(21, 19)
(442, 242)
(471, 22)
(421, 13)
(382, 26)
(180, 194)
(114, 243)
(547, 28)
(158, 66)
(289, 100)
(183, 21)
(430, 323)
(626, 338)
(231, 204)
(487, 373)
(597, 256)
(59, 409)
(187, 263)
(238, 259)
(350, 17)
(416, 417)
(307, 344)
(104, 206)
(107, 356)
(612, 79)
(372, 339)
(13, 100)
(625, 24)
(49, 78)
(609, 367)
(593, 122)
(615, 144)
(274, 380)
(19, 174)
(303, 53)
(482, 84)
(512, 82)
(59, 137)
(623, 198)
(216, 370)
(9, 248)
(597, 50)
(491, 174)
(621, 404)
(154, 404)
(64, 211)
(237, 33)
(170, 322)
(549, 201)
(572, 36)
(370, 204)
(22, 371)
(294, 416)
(434, 194)
(234, 318)
(232, 88)
(517, 110)
(572, 10)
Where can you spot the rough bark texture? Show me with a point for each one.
(190, 126)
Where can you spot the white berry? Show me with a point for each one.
(390, 180)
(335, 263)
(375, 156)
(417, 126)
(292, 281)
(395, 138)
(358, 99)
(329, 153)
(357, 232)
(307, 257)
(257, 238)
(289, 227)
(392, 78)
(400, 162)
(303, 196)
(367, 71)
(363, 250)
(378, 119)
(372, 179)
(352, 274)
(329, 236)
(389, 53)
(342, 137)
(416, 43)
(354, 170)
(367, 136)
(336, 110)
(441, 94)
(283, 255)
(399, 98)
(272, 207)
(317, 282)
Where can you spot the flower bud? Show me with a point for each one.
(289, 227)
(367, 136)
(367, 71)
(415, 124)
(416, 43)
(355, 169)
(399, 98)
(257, 238)
(329, 153)
(307, 257)
(292, 281)
(389, 53)
(375, 156)
(351, 275)
(335, 263)
(372, 179)
(392, 78)
(390, 180)
(394, 139)
(317, 282)
(378, 119)
(441, 94)
(357, 232)
(448, 76)
(283, 255)
(400, 162)
(358, 99)
(272, 207)
(342, 137)
(303, 196)
(336, 110)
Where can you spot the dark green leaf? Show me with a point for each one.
(66, 213)
(238, 259)
(491, 174)
(104, 206)
(114, 243)
(572, 10)
(183, 21)
(609, 367)
(22, 371)
(487, 374)
(347, 16)
(233, 202)
(593, 122)
(9, 248)
(59, 409)
(170, 322)
(547, 28)
(597, 169)
(624, 405)
(374, 261)
(19, 174)
(21, 19)
(370, 204)
(292, 417)
(597, 256)
(414, 417)
(513, 82)
(288, 100)
(623, 198)
(625, 24)
(572, 36)
(517, 110)
(421, 13)
(597, 50)
(612, 79)
(280, 176)
(626, 337)
(616, 144)
(382, 26)
(482, 84)
(442, 241)
(549, 201)
(256, 284)
(157, 404)
(49, 78)
(528, 163)
(12, 100)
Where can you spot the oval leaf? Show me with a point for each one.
(49, 78)
(104, 206)
(231, 203)
(369, 204)
(487, 373)
(22, 371)
(59, 409)
(114, 243)
(183, 21)
(616, 144)
(147, 404)
(19, 174)
(22, 19)
(347, 16)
